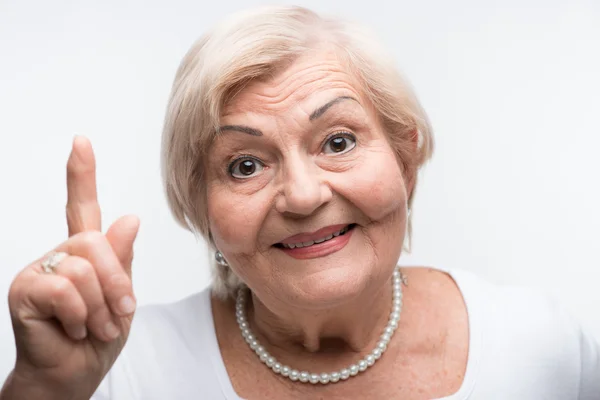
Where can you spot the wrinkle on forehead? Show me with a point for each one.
(306, 76)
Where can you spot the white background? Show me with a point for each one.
(512, 88)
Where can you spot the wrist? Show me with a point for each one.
(26, 386)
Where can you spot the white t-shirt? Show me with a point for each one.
(522, 346)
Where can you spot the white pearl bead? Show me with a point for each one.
(362, 365)
(370, 359)
(304, 376)
(324, 378)
(345, 374)
(377, 353)
(314, 378)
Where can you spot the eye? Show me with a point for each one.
(339, 143)
(245, 167)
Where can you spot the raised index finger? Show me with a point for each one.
(83, 210)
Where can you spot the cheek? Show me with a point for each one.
(377, 187)
(235, 219)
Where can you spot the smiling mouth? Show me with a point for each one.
(324, 239)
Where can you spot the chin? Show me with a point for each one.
(330, 288)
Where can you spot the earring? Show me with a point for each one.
(220, 259)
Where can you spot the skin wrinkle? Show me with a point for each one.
(320, 312)
(277, 95)
(314, 115)
(326, 78)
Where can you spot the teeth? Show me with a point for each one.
(310, 243)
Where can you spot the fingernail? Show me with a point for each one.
(127, 305)
(111, 330)
(81, 332)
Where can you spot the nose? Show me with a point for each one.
(303, 190)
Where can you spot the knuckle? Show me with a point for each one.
(60, 288)
(21, 314)
(80, 270)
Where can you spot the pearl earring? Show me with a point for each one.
(220, 259)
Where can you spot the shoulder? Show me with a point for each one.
(528, 339)
(169, 353)
(519, 316)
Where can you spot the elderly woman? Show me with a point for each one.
(292, 145)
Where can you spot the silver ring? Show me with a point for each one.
(51, 262)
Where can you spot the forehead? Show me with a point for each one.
(308, 82)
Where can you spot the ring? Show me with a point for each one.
(51, 262)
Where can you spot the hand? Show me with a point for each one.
(71, 325)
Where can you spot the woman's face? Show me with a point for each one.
(301, 158)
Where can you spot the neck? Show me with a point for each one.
(352, 327)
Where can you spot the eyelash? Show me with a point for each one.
(239, 159)
(244, 157)
(344, 134)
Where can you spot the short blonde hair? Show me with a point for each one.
(254, 45)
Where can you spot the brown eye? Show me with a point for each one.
(245, 168)
(339, 144)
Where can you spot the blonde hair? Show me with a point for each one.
(254, 45)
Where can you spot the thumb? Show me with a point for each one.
(121, 235)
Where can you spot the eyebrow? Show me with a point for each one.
(314, 115)
(321, 110)
(241, 128)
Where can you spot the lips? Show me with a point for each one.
(310, 239)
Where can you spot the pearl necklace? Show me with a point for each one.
(343, 374)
